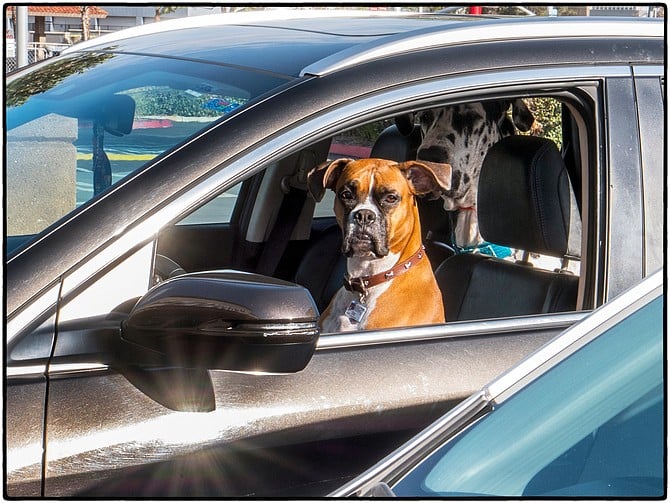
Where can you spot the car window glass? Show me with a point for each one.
(591, 425)
(82, 123)
(217, 211)
(243, 244)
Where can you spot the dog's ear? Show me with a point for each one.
(324, 176)
(427, 178)
(521, 115)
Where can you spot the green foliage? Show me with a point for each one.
(160, 10)
(547, 112)
(165, 101)
(43, 79)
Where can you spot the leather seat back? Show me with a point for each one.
(322, 268)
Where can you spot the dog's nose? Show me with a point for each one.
(364, 217)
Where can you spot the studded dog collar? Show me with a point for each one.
(363, 283)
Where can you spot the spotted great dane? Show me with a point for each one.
(461, 135)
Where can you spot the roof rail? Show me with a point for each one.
(488, 30)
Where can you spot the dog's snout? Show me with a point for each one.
(364, 217)
(433, 154)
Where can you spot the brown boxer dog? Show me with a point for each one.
(389, 280)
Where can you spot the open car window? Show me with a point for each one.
(249, 215)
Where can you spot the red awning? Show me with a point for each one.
(62, 11)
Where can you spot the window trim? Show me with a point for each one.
(450, 330)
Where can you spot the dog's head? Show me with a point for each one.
(461, 135)
(375, 200)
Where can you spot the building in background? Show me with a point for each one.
(62, 23)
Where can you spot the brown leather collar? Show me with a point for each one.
(362, 284)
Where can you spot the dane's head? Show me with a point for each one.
(461, 135)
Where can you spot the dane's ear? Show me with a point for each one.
(324, 176)
(427, 178)
(521, 116)
(405, 123)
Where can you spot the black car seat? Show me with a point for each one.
(322, 268)
(525, 202)
(398, 142)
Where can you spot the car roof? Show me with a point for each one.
(317, 42)
(283, 41)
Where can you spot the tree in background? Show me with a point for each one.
(85, 12)
(160, 10)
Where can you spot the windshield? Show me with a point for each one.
(591, 426)
(79, 124)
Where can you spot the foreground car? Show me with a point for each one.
(581, 417)
(158, 227)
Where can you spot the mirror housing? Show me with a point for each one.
(226, 320)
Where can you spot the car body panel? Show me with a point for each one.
(25, 455)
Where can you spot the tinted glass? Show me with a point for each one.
(591, 426)
(77, 125)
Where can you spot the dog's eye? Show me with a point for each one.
(391, 198)
(346, 195)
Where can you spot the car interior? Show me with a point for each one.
(276, 228)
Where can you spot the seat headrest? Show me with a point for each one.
(395, 145)
(525, 200)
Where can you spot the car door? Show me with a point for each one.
(106, 427)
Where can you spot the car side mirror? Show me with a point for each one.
(225, 320)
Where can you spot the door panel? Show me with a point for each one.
(101, 426)
(24, 421)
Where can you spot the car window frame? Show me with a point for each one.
(649, 92)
